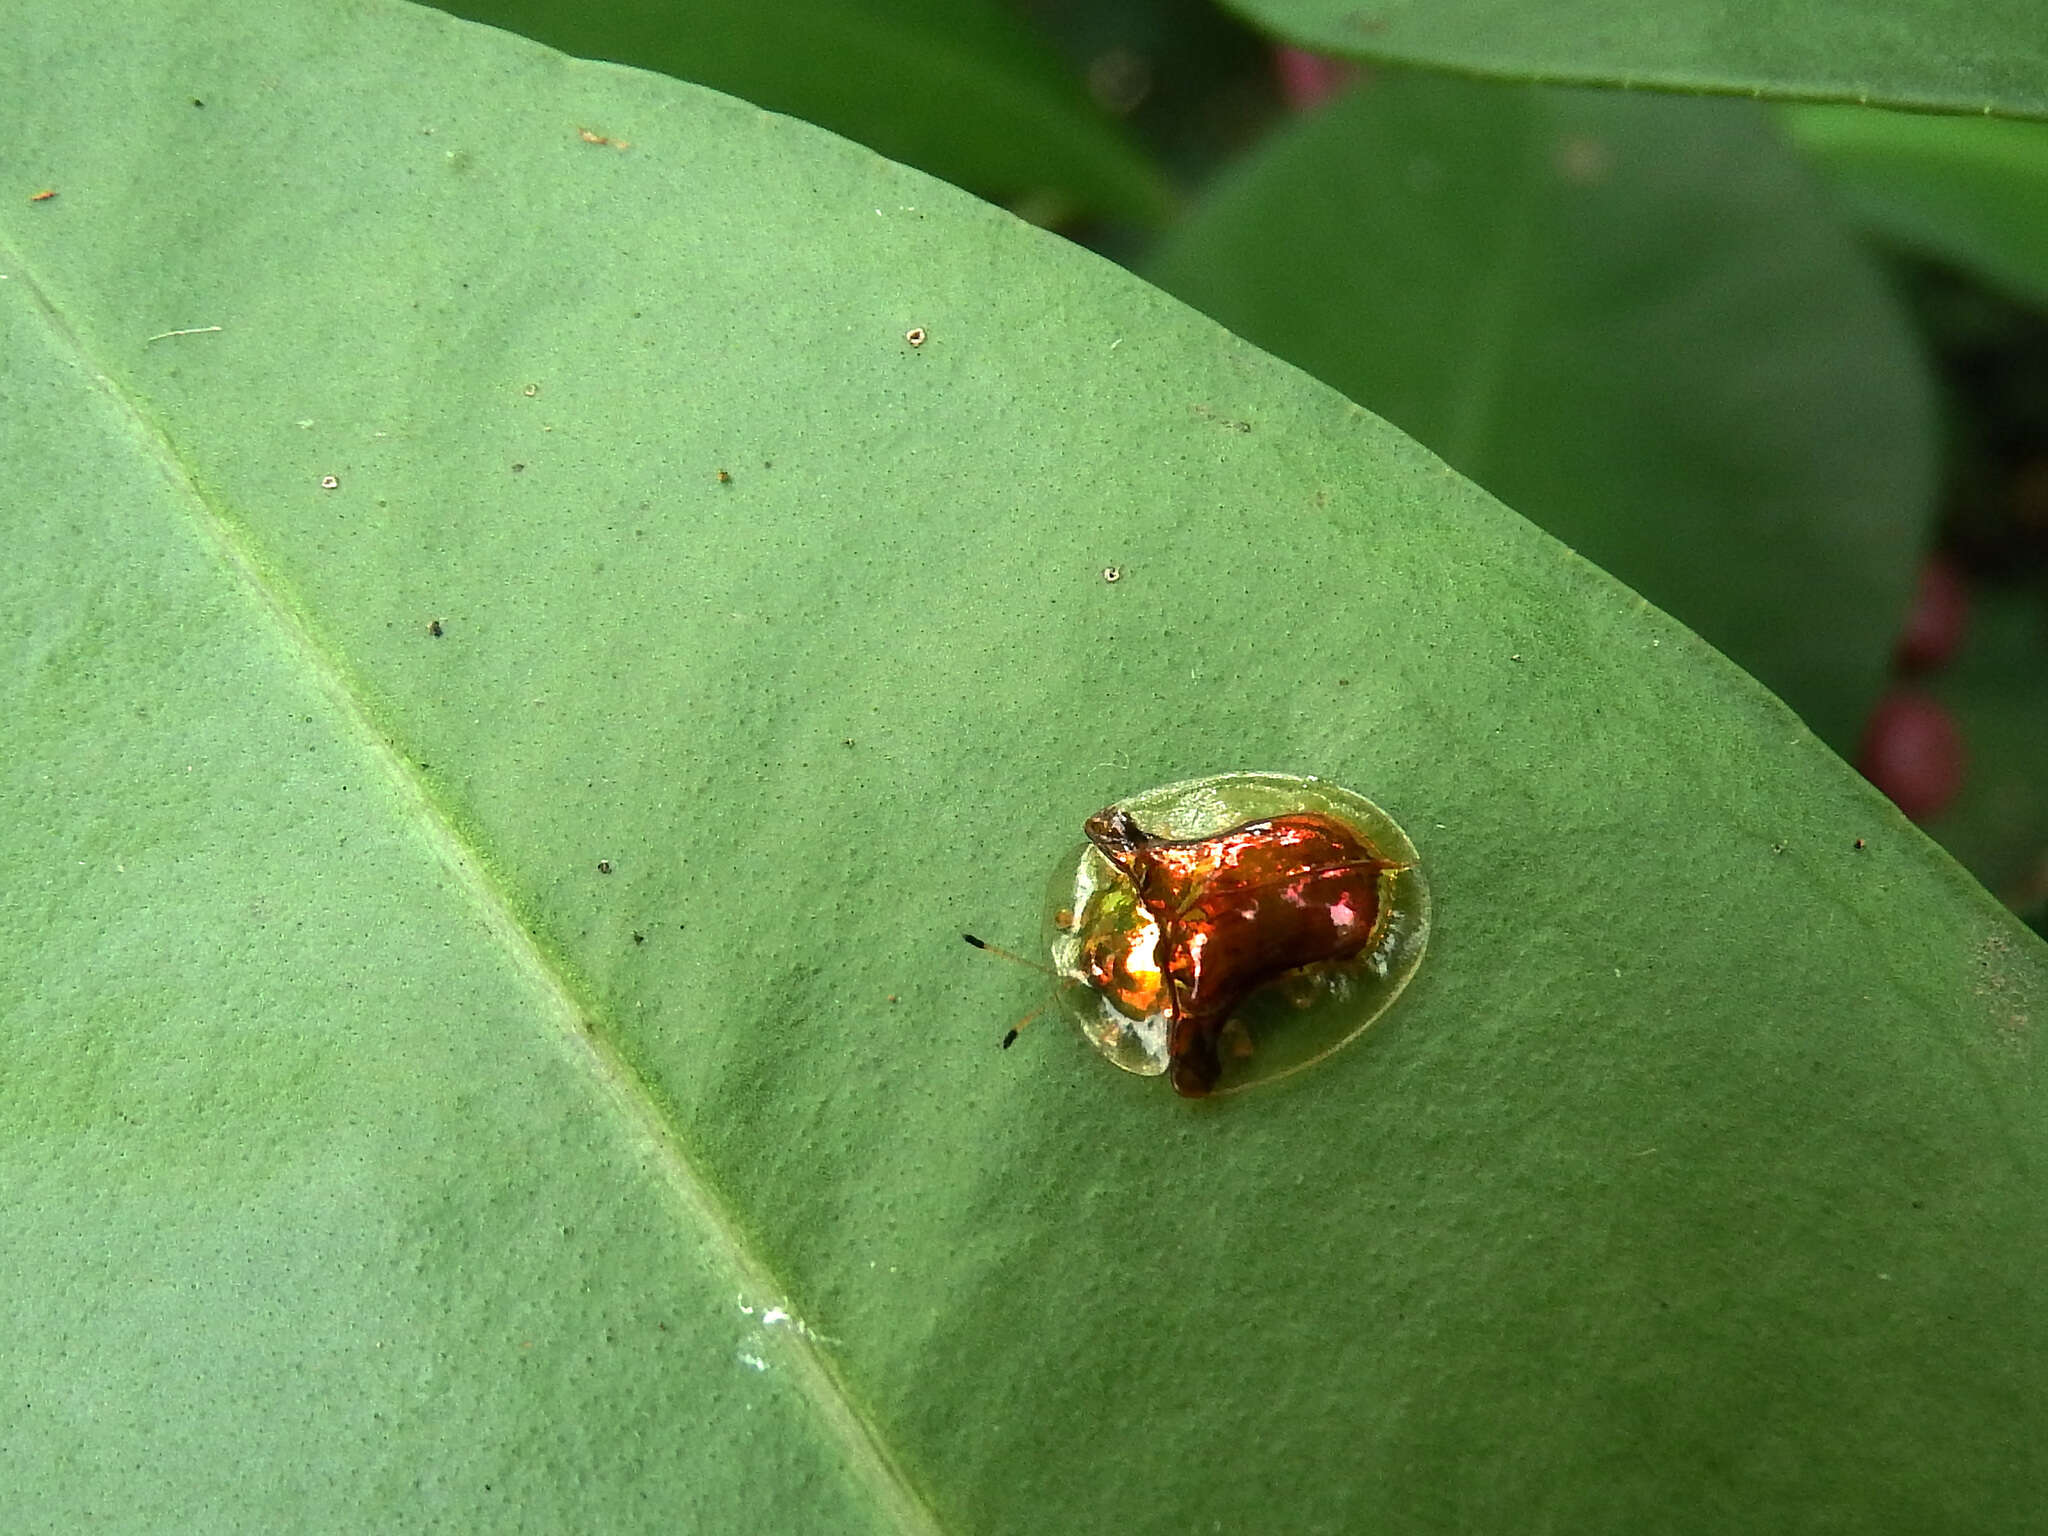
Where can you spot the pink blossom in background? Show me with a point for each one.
(1913, 751)
(1309, 79)
(1938, 619)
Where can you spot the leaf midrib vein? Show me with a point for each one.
(818, 1382)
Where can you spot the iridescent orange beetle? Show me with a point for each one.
(1197, 913)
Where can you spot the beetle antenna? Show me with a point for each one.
(1018, 1028)
(997, 949)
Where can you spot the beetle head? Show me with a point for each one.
(1116, 832)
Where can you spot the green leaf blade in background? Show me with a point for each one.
(1629, 317)
(1970, 192)
(959, 88)
(1925, 55)
(1654, 1185)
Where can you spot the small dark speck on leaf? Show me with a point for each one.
(604, 866)
(1343, 682)
(1861, 845)
(724, 478)
(197, 102)
(434, 628)
(518, 469)
(639, 938)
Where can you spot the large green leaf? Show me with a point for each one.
(1631, 318)
(959, 88)
(373, 1158)
(1935, 55)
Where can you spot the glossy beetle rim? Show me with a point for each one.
(1344, 999)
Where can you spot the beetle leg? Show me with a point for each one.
(1192, 1065)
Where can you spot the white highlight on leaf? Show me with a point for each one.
(781, 1316)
